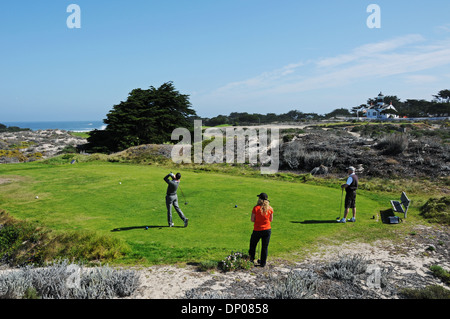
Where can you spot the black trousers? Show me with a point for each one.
(264, 236)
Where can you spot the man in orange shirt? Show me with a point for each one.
(262, 216)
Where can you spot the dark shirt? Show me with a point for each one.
(353, 185)
(172, 187)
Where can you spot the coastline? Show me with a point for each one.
(71, 126)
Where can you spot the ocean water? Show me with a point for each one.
(74, 126)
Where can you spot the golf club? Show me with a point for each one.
(340, 206)
(185, 201)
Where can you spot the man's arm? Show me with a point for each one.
(167, 178)
(348, 183)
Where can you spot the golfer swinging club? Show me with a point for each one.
(172, 198)
(350, 195)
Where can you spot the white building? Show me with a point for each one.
(380, 110)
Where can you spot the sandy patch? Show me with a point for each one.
(409, 263)
(172, 282)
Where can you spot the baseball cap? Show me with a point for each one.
(263, 196)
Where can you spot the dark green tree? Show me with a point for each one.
(338, 112)
(441, 105)
(146, 117)
(217, 120)
(413, 108)
(443, 96)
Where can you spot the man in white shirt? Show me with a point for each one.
(350, 195)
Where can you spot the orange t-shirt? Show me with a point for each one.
(262, 222)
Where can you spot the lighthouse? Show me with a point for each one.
(380, 110)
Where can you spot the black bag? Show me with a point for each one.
(394, 219)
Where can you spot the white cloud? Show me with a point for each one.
(444, 28)
(398, 56)
(420, 79)
(370, 50)
(265, 79)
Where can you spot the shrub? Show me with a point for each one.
(20, 241)
(64, 280)
(437, 210)
(429, 292)
(297, 285)
(11, 155)
(68, 149)
(208, 265)
(235, 261)
(291, 155)
(393, 144)
(24, 242)
(289, 134)
(441, 273)
(346, 268)
(14, 284)
(294, 155)
(87, 246)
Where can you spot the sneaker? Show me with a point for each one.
(352, 220)
(342, 220)
(171, 225)
(186, 222)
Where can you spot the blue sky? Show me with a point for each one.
(229, 56)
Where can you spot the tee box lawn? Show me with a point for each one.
(121, 200)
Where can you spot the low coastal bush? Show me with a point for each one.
(24, 243)
(295, 156)
(393, 144)
(64, 280)
(12, 155)
(429, 292)
(235, 261)
(21, 242)
(208, 265)
(437, 210)
(346, 268)
(441, 273)
(297, 285)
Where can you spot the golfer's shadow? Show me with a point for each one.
(314, 221)
(142, 227)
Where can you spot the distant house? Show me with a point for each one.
(380, 110)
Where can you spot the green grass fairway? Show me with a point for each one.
(89, 196)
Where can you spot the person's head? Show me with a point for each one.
(350, 170)
(178, 176)
(263, 202)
